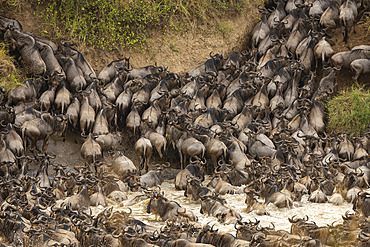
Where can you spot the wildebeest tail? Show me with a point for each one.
(24, 137)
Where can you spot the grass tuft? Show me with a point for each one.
(9, 75)
(349, 111)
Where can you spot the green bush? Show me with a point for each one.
(12, 4)
(9, 75)
(349, 111)
(109, 24)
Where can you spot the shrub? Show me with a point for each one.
(9, 76)
(113, 23)
(349, 111)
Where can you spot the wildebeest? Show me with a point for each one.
(26, 45)
(345, 58)
(362, 203)
(191, 170)
(41, 129)
(91, 151)
(215, 206)
(120, 164)
(52, 65)
(7, 116)
(348, 14)
(111, 70)
(360, 67)
(25, 92)
(167, 210)
(154, 177)
(14, 141)
(67, 50)
(194, 189)
(74, 75)
(209, 236)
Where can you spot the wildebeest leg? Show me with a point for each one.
(356, 74)
(25, 143)
(142, 164)
(95, 170)
(159, 151)
(45, 144)
(33, 146)
(345, 39)
(181, 160)
(214, 163)
(64, 134)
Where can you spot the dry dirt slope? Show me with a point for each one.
(179, 51)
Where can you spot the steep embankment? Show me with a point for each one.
(180, 50)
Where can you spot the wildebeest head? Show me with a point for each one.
(154, 201)
(133, 181)
(214, 63)
(207, 229)
(194, 189)
(207, 202)
(246, 230)
(362, 203)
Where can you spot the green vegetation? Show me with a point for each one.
(12, 4)
(349, 111)
(110, 24)
(366, 21)
(9, 75)
(224, 29)
(173, 48)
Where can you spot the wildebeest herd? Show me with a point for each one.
(255, 118)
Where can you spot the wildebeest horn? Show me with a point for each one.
(212, 228)
(51, 156)
(261, 9)
(193, 160)
(272, 227)
(220, 162)
(129, 212)
(236, 225)
(360, 173)
(293, 219)
(156, 165)
(3, 123)
(115, 235)
(79, 89)
(159, 187)
(166, 164)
